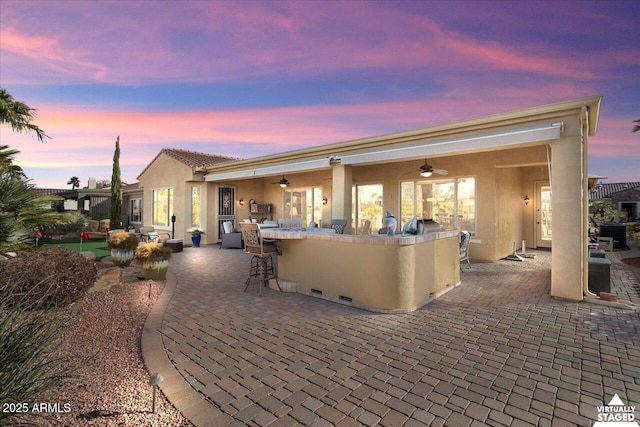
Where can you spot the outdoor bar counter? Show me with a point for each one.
(380, 273)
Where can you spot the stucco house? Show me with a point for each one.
(172, 185)
(491, 176)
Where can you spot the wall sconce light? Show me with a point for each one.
(241, 201)
(526, 200)
(325, 200)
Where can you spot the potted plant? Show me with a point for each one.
(122, 246)
(196, 235)
(153, 257)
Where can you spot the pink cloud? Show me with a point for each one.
(107, 44)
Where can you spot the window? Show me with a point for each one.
(367, 209)
(305, 204)
(449, 202)
(136, 210)
(162, 206)
(195, 206)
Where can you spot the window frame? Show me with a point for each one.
(170, 200)
(131, 204)
(456, 181)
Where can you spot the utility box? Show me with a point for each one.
(174, 244)
(599, 275)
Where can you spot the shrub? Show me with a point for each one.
(151, 251)
(48, 276)
(30, 367)
(71, 222)
(122, 240)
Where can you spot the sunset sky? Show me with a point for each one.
(245, 78)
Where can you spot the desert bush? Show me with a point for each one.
(31, 370)
(48, 276)
(72, 222)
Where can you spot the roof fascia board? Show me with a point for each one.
(457, 145)
(271, 170)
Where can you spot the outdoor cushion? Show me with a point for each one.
(227, 226)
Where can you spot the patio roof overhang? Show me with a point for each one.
(427, 148)
(488, 141)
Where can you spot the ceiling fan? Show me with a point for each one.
(427, 170)
(284, 182)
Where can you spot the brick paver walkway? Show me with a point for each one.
(497, 350)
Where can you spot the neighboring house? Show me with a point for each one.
(624, 195)
(500, 172)
(172, 185)
(91, 201)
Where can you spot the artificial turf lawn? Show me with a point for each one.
(98, 247)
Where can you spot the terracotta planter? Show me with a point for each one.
(155, 270)
(121, 257)
(195, 239)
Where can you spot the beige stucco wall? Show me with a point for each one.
(383, 277)
(167, 172)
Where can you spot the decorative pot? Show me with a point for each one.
(195, 239)
(155, 270)
(121, 257)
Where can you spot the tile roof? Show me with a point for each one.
(605, 191)
(195, 159)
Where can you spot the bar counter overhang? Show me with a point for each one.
(379, 273)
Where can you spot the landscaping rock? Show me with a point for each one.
(107, 278)
(88, 255)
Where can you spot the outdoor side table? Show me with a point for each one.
(174, 244)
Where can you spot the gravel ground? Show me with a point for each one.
(115, 389)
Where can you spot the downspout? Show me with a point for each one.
(584, 211)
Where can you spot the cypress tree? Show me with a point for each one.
(115, 210)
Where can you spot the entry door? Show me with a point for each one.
(226, 207)
(544, 226)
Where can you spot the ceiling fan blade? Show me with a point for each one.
(440, 171)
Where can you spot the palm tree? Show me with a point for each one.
(6, 163)
(637, 127)
(18, 115)
(74, 181)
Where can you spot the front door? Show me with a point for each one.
(226, 207)
(544, 226)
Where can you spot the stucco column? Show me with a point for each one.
(341, 194)
(569, 218)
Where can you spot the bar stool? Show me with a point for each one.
(261, 269)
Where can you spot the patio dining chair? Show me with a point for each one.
(465, 239)
(262, 268)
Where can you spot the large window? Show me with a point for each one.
(136, 210)
(162, 206)
(449, 202)
(304, 204)
(195, 206)
(367, 209)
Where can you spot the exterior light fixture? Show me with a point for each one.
(426, 174)
(325, 200)
(241, 201)
(154, 381)
(526, 200)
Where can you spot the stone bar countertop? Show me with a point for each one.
(328, 234)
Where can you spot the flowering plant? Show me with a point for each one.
(196, 231)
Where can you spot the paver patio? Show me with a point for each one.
(496, 350)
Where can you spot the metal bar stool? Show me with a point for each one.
(261, 269)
